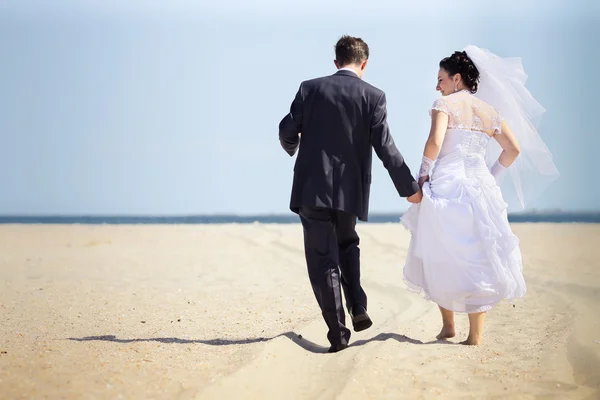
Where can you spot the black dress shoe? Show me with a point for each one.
(336, 348)
(360, 318)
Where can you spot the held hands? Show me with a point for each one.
(415, 198)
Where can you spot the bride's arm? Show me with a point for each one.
(439, 124)
(510, 149)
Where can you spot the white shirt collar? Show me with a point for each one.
(348, 69)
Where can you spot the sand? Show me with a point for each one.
(226, 312)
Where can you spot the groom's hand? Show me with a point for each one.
(415, 198)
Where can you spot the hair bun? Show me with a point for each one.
(460, 63)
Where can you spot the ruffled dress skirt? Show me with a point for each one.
(463, 254)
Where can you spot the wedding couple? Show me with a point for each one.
(463, 254)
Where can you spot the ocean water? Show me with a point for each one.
(547, 217)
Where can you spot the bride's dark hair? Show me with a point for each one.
(460, 63)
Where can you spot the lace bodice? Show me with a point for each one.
(468, 113)
(471, 125)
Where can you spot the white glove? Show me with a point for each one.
(426, 166)
(497, 169)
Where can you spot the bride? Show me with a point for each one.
(463, 254)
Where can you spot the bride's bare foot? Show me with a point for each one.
(447, 332)
(472, 341)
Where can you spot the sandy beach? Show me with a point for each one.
(227, 312)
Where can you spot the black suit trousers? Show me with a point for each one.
(331, 247)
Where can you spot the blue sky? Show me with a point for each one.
(172, 108)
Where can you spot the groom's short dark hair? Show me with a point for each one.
(351, 50)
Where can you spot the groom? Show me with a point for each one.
(339, 117)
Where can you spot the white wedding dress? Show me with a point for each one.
(463, 254)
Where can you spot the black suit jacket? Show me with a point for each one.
(335, 121)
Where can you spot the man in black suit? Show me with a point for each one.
(335, 121)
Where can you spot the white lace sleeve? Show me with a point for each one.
(440, 105)
(497, 123)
